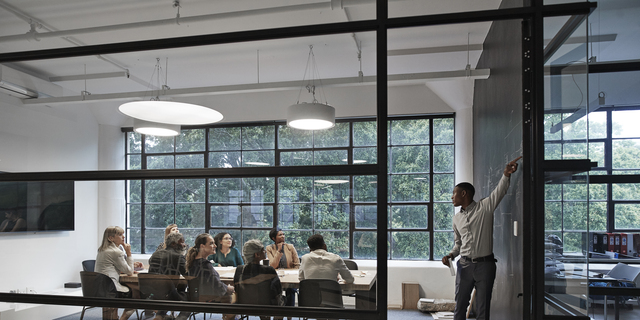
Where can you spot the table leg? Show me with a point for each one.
(366, 299)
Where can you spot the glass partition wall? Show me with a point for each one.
(214, 178)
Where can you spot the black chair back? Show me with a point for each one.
(159, 287)
(255, 293)
(97, 285)
(89, 265)
(352, 265)
(320, 293)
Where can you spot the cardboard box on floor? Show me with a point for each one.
(410, 295)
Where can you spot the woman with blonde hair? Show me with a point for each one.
(114, 257)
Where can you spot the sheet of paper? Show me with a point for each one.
(451, 269)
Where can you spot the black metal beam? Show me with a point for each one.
(631, 178)
(619, 66)
(106, 175)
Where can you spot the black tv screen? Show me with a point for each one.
(36, 206)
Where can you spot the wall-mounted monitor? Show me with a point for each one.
(36, 206)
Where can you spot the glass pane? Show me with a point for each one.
(153, 238)
(443, 216)
(296, 158)
(257, 216)
(134, 142)
(225, 139)
(574, 129)
(258, 138)
(552, 126)
(330, 157)
(331, 189)
(409, 187)
(190, 190)
(225, 216)
(158, 216)
(598, 125)
(366, 216)
(189, 161)
(442, 244)
(409, 159)
(626, 153)
(154, 144)
(410, 245)
(553, 215)
(134, 162)
(552, 151)
(596, 153)
(627, 215)
(365, 156)
(553, 192)
(409, 217)
(576, 191)
(258, 158)
(365, 188)
(191, 234)
(190, 215)
(299, 240)
(225, 190)
(625, 124)
(337, 242)
(410, 132)
(289, 138)
(190, 140)
(597, 216)
(260, 235)
(134, 238)
(258, 190)
(158, 191)
(574, 243)
(338, 136)
(225, 159)
(160, 162)
(414, 8)
(442, 187)
(365, 133)
(294, 216)
(597, 191)
(134, 215)
(135, 191)
(574, 151)
(364, 245)
(443, 159)
(575, 215)
(626, 191)
(331, 216)
(443, 131)
(295, 189)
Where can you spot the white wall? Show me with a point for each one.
(49, 139)
(111, 201)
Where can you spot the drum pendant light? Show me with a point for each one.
(315, 115)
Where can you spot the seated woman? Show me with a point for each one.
(172, 228)
(283, 255)
(255, 283)
(226, 255)
(211, 288)
(13, 222)
(114, 257)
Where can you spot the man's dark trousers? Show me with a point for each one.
(478, 274)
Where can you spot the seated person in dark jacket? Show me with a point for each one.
(211, 287)
(171, 261)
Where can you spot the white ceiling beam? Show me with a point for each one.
(394, 80)
(90, 76)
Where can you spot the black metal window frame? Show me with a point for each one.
(352, 228)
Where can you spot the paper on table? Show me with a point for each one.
(451, 269)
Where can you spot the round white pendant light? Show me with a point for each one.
(170, 112)
(311, 116)
(155, 128)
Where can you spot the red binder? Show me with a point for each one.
(611, 242)
(623, 243)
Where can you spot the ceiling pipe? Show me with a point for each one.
(331, 4)
(395, 79)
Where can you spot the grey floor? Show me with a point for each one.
(96, 314)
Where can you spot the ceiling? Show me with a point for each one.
(245, 81)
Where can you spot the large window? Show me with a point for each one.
(614, 143)
(342, 208)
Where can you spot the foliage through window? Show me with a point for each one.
(342, 208)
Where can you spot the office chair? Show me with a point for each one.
(160, 287)
(89, 265)
(352, 265)
(320, 293)
(97, 285)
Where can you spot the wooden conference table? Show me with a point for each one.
(364, 283)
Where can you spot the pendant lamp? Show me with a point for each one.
(314, 115)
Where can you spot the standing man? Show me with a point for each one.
(473, 237)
